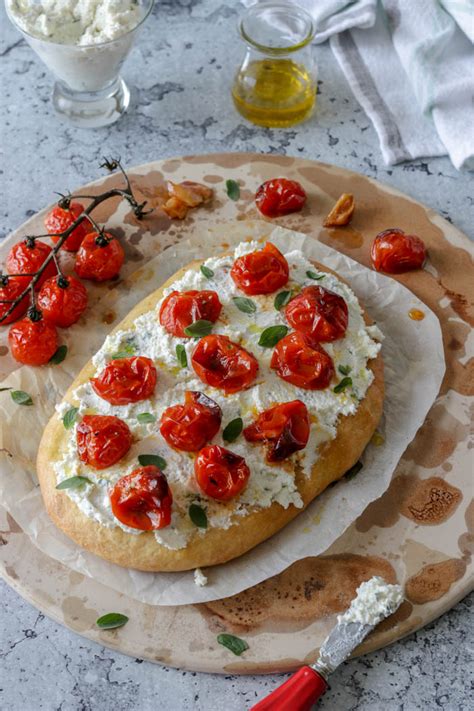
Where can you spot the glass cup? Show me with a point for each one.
(88, 91)
(276, 84)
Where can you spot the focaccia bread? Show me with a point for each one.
(343, 417)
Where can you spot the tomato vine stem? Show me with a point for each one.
(112, 165)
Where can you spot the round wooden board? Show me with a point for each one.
(422, 525)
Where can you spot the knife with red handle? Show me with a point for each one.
(307, 685)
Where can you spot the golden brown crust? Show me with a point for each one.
(217, 545)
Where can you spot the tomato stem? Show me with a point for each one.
(125, 193)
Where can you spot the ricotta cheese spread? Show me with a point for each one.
(79, 22)
(375, 600)
(268, 483)
(199, 578)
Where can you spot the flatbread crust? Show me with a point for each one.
(218, 545)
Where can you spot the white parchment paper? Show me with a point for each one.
(414, 368)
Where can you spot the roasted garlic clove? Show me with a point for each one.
(342, 211)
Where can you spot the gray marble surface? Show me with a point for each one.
(180, 72)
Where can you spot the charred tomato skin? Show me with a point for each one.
(188, 427)
(102, 440)
(395, 252)
(219, 362)
(219, 473)
(142, 499)
(11, 288)
(284, 429)
(182, 308)
(27, 257)
(319, 314)
(301, 363)
(261, 272)
(126, 380)
(59, 219)
(280, 196)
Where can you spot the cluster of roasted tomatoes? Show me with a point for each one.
(60, 300)
(317, 315)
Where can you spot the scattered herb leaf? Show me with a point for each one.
(232, 189)
(198, 516)
(271, 335)
(59, 356)
(246, 305)
(199, 328)
(152, 459)
(111, 621)
(232, 430)
(145, 417)
(312, 275)
(21, 398)
(70, 417)
(181, 355)
(208, 273)
(282, 299)
(73, 482)
(350, 473)
(342, 385)
(344, 369)
(235, 644)
(127, 350)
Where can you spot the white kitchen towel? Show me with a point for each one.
(410, 64)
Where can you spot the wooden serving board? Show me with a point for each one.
(424, 520)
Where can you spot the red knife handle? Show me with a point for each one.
(298, 693)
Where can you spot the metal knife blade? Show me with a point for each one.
(342, 640)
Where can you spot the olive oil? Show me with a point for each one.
(274, 92)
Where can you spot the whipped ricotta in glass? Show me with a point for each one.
(268, 483)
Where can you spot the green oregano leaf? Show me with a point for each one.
(199, 328)
(350, 473)
(243, 304)
(154, 460)
(344, 369)
(74, 482)
(59, 355)
(235, 644)
(70, 418)
(127, 350)
(232, 189)
(181, 355)
(312, 275)
(198, 516)
(111, 621)
(21, 398)
(342, 385)
(271, 335)
(145, 417)
(232, 430)
(208, 273)
(282, 299)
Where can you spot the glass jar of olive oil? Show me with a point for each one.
(276, 83)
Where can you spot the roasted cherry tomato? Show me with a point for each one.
(280, 196)
(59, 219)
(395, 252)
(100, 257)
(102, 440)
(301, 364)
(223, 364)
(261, 272)
(126, 380)
(284, 428)
(62, 300)
(27, 257)
(33, 341)
(10, 289)
(142, 499)
(188, 427)
(220, 474)
(319, 314)
(182, 308)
